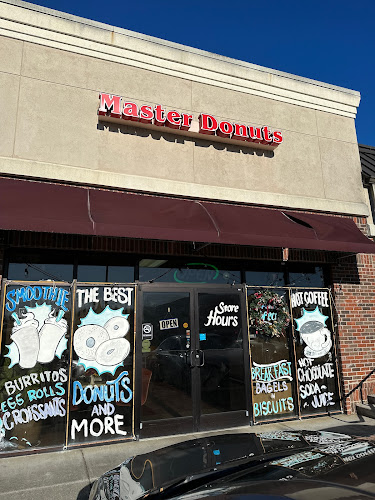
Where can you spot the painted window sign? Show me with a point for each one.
(53, 377)
(268, 312)
(147, 331)
(34, 365)
(192, 272)
(223, 314)
(196, 272)
(272, 373)
(272, 380)
(206, 124)
(101, 392)
(315, 352)
(168, 324)
(66, 359)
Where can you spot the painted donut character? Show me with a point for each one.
(112, 352)
(87, 339)
(117, 327)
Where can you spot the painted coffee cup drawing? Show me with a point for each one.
(314, 333)
(317, 338)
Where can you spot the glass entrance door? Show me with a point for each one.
(167, 372)
(192, 359)
(224, 359)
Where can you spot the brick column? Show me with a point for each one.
(353, 280)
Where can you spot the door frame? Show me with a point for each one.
(164, 426)
(181, 425)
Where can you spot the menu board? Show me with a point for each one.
(315, 351)
(101, 391)
(272, 371)
(34, 365)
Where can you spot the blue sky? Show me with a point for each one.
(328, 40)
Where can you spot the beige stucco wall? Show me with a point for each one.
(49, 99)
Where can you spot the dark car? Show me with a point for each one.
(300, 465)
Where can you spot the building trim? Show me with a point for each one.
(79, 175)
(50, 28)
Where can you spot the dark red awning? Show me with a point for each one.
(40, 206)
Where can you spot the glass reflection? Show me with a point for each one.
(166, 372)
(222, 364)
(90, 274)
(39, 272)
(269, 274)
(306, 275)
(120, 274)
(194, 272)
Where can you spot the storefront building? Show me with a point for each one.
(183, 239)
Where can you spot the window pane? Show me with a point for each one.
(36, 272)
(120, 274)
(102, 365)
(161, 274)
(166, 372)
(222, 375)
(273, 378)
(196, 272)
(305, 275)
(315, 351)
(91, 273)
(34, 367)
(265, 275)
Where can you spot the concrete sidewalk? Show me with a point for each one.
(67, 475)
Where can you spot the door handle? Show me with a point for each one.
(194, 356)
(191, 359)
(202, 363)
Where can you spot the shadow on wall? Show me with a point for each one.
(345, 272)
(178, 139)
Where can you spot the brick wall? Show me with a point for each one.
(353, 280)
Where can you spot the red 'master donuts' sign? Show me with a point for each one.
(119, 108)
